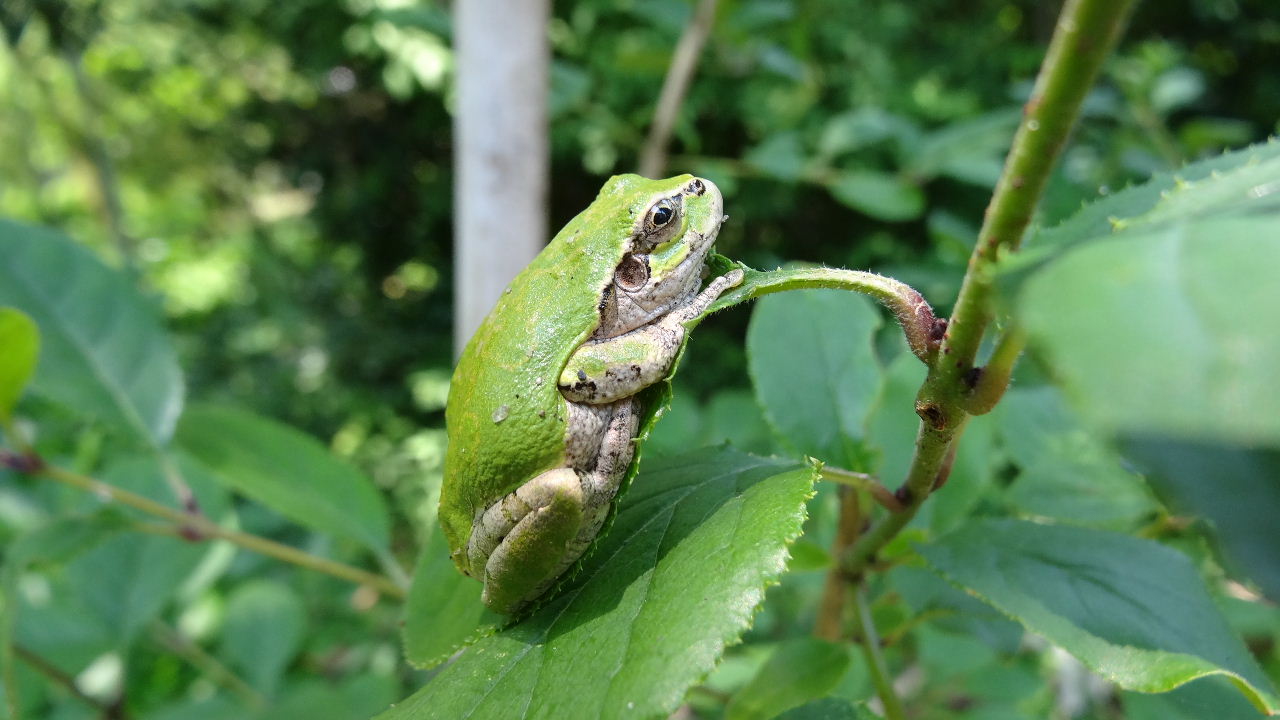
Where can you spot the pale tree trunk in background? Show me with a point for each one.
(500, 150)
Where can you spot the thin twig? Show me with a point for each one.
(653, 158)
(182, 646)
(875, 659)
(865, 482)
(198, 527)
(66, 682)
(830, 622)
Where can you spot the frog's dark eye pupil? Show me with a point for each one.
(662, 215)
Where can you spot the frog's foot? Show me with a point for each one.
(520, 541)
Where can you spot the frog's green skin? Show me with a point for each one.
(541, 415)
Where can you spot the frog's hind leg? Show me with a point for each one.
(522, 538)
(602, 482)
(531, 536)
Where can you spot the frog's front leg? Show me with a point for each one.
(602, 371)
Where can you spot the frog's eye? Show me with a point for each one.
(660, 223)
(662, 213)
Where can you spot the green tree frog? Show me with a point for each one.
(542, 412)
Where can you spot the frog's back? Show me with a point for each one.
(506, 417)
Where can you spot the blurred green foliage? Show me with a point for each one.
(278, 176)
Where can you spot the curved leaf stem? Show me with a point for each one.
(875, 659)
(864, 482)
(198, 527)
(907, 305)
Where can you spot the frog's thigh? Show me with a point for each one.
(521, 540)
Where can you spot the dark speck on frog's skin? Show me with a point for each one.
(582, 376)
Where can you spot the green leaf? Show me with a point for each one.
(859, 128)
(55, 542)
(288, 471)
(105, 350)
(694, 544)
(21, 342)
(956, 611)
(831, 708)
(1224, 181)
(127, 580)
(1236, 489)
(883, 196)
(971, 150)
(799, 670)
(1174, 335)
(1065, 472)
(1206, 698)
(444, 611)
(263, 630)
(314, 699)
(1131, 610)
(780, 156)
(813, 365)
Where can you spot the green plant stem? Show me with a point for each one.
(178, 644)
(202, 528)
(928, 468)
(994, 377)
(875, 659)
(867, 483)
(1085, 34)
(908, 306)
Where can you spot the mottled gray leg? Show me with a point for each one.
(601, 484)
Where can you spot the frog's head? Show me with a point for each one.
(672, 224)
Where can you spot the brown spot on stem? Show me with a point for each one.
(904, 495)
(972, 377)
(932, 415)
